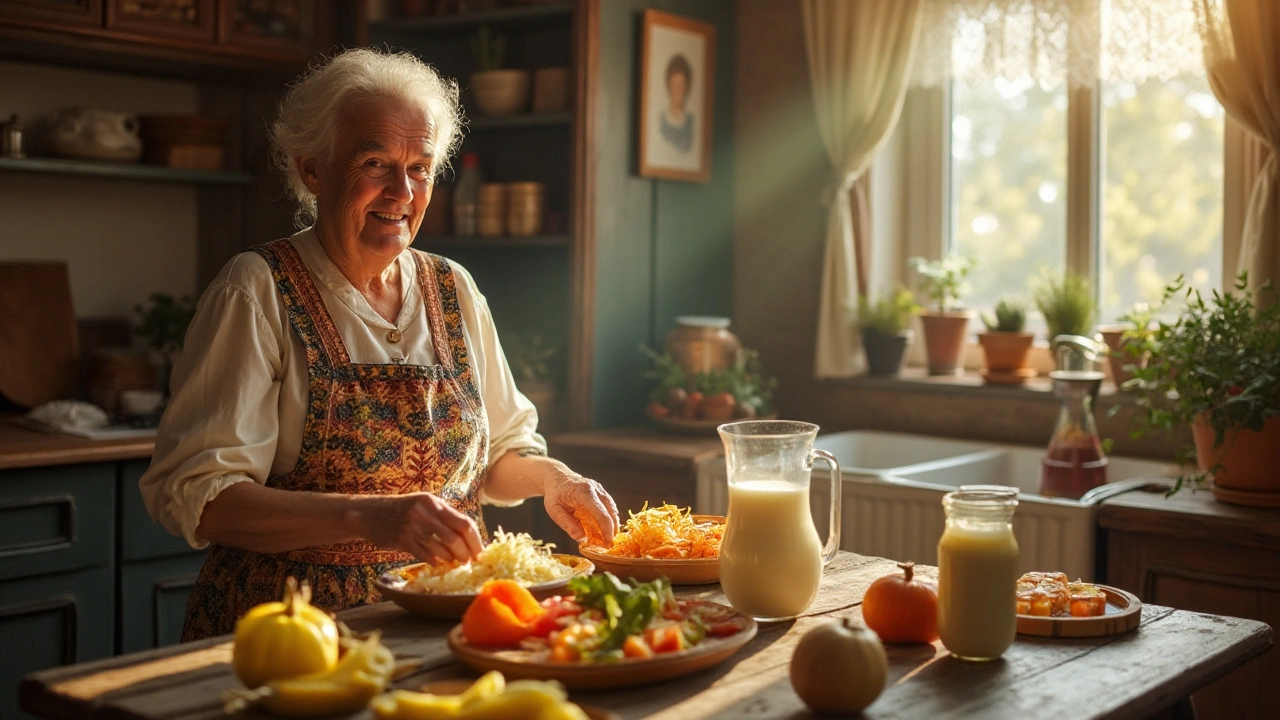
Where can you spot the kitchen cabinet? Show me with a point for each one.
(1194, 553)
(194, 20)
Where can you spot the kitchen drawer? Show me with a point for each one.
(50, 621)
(56, 519)
(141, 538)
(153, 600)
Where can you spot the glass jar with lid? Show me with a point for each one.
(978, 572)
(702, 344)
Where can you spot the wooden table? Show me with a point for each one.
(1171, 654)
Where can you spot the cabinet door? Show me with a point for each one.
(141, 538)
(274, 28)
(50, 621)
(56, 519)
(195, 20)
(61, 13)
(153, 600)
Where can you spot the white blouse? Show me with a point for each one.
(239, 390)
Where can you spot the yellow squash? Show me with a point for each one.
(284, 639)
(361, 675)
(490, 698)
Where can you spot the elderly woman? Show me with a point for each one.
(343, 405)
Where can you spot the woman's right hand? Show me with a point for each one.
(418, 523)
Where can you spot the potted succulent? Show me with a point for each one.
(1216, 367)
(1006, 342)
(1067, 304)
(497, 91)
(885, 326)
(530, 361)
(944, 328)
(1125, 341)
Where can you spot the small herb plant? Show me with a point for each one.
(489, 49)
(673, 388)
(1218, 360)
(1010, 316)
(944, 280)
(163, 321)
(1067, 304)
(530, 359)
(888, 315)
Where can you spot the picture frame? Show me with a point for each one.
(677, 98)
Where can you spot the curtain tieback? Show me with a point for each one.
(838, 186)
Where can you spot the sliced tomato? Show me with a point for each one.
(665, 639)
(725, 629)
(635, 647)
(554, 610)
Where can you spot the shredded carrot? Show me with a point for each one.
(667, 533)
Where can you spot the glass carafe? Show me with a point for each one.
(1074, 462)
(771, 559)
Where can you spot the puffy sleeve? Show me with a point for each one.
(513, 420)
(221, 425)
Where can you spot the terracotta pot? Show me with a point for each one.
(501, 92)
(1006, 351)
(885, 352)
(1113, 336)
(944, 335)
(1249, 462)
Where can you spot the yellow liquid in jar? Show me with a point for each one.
(977, 575)
(770, 558)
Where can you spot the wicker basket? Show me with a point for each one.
(524, 208)
(551, 90)
(500, 92)
(491, 209)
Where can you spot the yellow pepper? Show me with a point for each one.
(284, 639)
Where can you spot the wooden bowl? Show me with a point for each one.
(701, 571)
(1124, 612)
(394, 586)
(500, 92)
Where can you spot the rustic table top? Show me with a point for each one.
(23, 447)
(1134, 675)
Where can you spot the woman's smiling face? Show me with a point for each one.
(375, 187)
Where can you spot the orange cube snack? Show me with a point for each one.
(1087, 600)
(1043, 594)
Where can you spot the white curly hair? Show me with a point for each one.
(305, 125)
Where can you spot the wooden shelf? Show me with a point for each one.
(124, 171)
(525, 120)
(501, 16)
(434, 243)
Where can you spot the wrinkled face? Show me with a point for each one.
(372, 192)
(678, 88)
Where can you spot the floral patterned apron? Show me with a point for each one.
(369, 430)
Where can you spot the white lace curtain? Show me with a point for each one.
(1051, 41)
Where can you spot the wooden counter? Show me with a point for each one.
(23, 448)
(1133, 675)
(1192, 552)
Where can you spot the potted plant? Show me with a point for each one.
(530, 362)
(497, 91)
(1216, 367)
(162, 324)
(739, 392)
(885, 326)
(1067, 304)
(1006, 343)
(944, 328)
(1126, 339)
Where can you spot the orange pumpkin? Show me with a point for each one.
(902, 608)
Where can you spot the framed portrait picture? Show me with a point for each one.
(676, 81)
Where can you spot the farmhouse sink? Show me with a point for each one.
(893, 488)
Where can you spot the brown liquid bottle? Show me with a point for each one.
(1074, 462)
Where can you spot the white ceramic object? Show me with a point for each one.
(92, 134)
(893, 488)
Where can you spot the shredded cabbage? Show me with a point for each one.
(510, 556)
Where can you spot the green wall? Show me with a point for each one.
(663, 248)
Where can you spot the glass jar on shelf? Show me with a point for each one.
(702, 344)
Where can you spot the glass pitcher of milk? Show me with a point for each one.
(770, 558)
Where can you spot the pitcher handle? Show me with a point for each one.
(837, 489)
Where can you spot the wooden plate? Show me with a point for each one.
(1124, 612)
(449, 606)
(583, 676)
(680, 572)
(457, 687)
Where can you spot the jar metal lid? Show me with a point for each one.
(703, 321)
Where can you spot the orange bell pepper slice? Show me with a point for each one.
(503, 614)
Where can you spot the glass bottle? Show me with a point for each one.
(978, 572)
(466, 195)
(1074, 462)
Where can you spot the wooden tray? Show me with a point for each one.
(595, 676)
(457, 687)
(680, 572)
(1124, 612)
(450, 606)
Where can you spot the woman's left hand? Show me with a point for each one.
(575, 503)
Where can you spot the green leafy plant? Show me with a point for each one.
(1010, 316)
(488, 48)
(1067, 304)
(888, 315)
(530, 359)
(745, 381)
(944, 280)
(1219, 360)
(163, 321)
(1139, 319)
